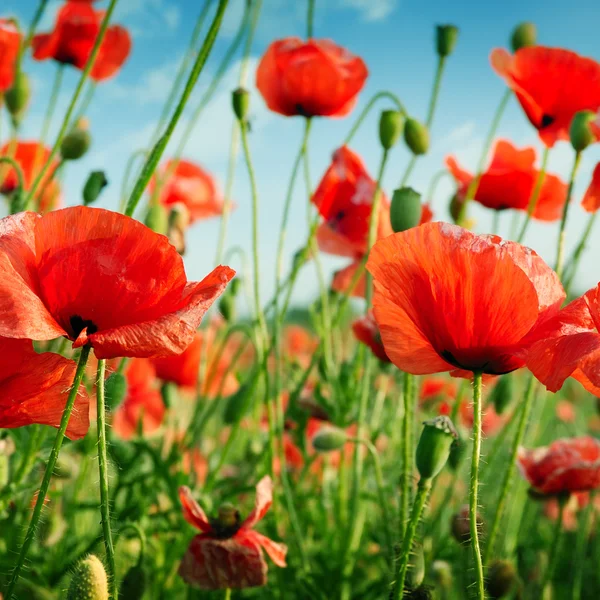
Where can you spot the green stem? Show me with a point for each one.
(535, 194)
(56, 85)
(126, 175)
(407, 450)
(582, 539)
(560, 251)
(434, 183)
(554, 552)
(409, 169)
(39, 13)
(436, 90)
(510, 469)
(41, 497)
(227, 594)
(310, 19)
(574, 262)
(85, 103)
(474, 484)
(161, 144)
(36, 438)
(423, 488)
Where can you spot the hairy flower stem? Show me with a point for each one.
(407, 450)
(41, 496)
(535, 194)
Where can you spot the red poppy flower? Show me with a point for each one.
(34, 389)
(426, 214)
(551, 84)
(99, 277)
(591, 199)
(509, 182)
(10, 41)
(112, 54)
(567, 465)
(565, 411)
(435, 387)
(228, 552)
(344, 279)
(366, 331)
(143, 407)
(449, 300)
(313, 78)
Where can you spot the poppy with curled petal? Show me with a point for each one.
(99, 277)
(509, 182)
(551, 84)
(591, 198)
(366, 331)
(10, 41)
(567, 465)
(312, 78)
(449, 300)
(34, 388)
(228, 552)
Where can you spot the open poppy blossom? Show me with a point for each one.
(228, 552)
(449, 300)
(366, 331)
(551, 84)
(10, 41)
(312, 78)
(509, 181)
(591, 198)
(34, 389)
(567, 465)
(98, 277)
(143, 408)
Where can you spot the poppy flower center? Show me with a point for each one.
(547, 120)
(78, 324)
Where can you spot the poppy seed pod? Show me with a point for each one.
(157, 218)
(405, 210)
(502, 393)
(88, 580)
(391, 124)
(115, 389)
(523, 35)
(434, 446)
(227, 307)
(17, 97)
(329, 438)
(461, 528)
(416, 136)
(501, 578)
(94, 185)
(446, 38)
(580, 133)
(240, 99)
(134, 583)
(77, 142)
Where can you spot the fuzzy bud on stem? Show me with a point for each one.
(580, 132)
(391, 125)
(89, 580)
(523, 35)
(416, 136)
(406, 209)
(240, 99)
(433, 449)
(328, 439)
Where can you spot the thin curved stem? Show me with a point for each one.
(17, 167)
(437, 82)
(41, 496)
(535, 194)
(125, 181)
(435, 180)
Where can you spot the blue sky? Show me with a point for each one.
(394, 37)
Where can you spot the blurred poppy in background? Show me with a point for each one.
(10, 41)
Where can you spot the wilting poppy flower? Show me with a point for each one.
(34, 388)
(551, 84)
(10, 41)
(449, 300)
(228, 552)
(591, 199)
(99, 277)
(366, 331)
(143, 408)
(312, 78)
(509, 182)
(567, 465)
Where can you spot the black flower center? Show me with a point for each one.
(78, 324)
(547, 120)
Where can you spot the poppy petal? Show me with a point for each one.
(275, 550)
(262, 503)
(591, 199)
(192, 512)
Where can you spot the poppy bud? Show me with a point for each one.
(502, 393)
(501, 577)
(434, 446)
(77, 142)
(329, 438)
(240, 99)
(391, 123)
(523, 35)
(457, 451)
(461, 528)
(416, 136)
(95, 183)
(442, 574)
(405, 210)
(133, 585)
(455, 208)
(227, 307)
(17, 201)
(88, 580)
(115, 389)
(17, 98)
(446, 38)
(580, 132)
(168, 392)
(235, 286)
(157, 218)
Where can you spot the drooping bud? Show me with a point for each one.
(89, 580)
(460, 525)
(434, 444)
(502, 393)
(406, 209)
(227, 307)
(235, 286)
(391, 124)
(455, 208)
(134, 583)
(523, 35)
(94, 185)
(240, 99)
(157, 218)
(77, 142)
(115, 390)
(329, 438)
(581, 133)
(446, 38)
(416, 136)
(501, 578)
(17, 98)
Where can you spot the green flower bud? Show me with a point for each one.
(416, 136)
(523, 35)
(115, 390)
(240, 99)
(77, 142)
(502, 393)
(134, 583)
(157, 218)
(391, 124)
(329, 438)
(17, 98)
(455, 208)
(235, 286)
(434, 446)
(17, 201)
(501, 578)
(406, 209)
(446, 38)
(94, 185)
(227, 307)
(168, 392)
(580, 132)
(89, 580)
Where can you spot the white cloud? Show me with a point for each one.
(371, 10)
